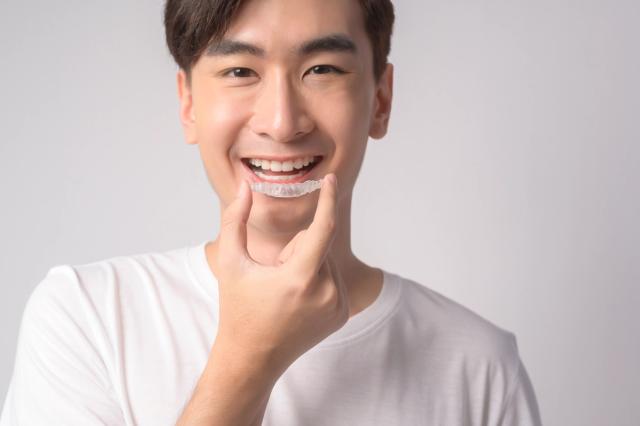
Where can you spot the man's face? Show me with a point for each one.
(286, 102)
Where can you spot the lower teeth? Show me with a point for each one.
(286, 189)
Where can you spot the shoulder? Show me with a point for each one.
(94, 292)
(456, 345)
(452, 328)
(90, 301)
(99, 279)
(465, 353)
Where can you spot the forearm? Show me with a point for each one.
(232, 391)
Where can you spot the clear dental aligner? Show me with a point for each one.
(287, 190)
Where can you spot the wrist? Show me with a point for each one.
(255, 369)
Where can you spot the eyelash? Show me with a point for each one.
(334, 70)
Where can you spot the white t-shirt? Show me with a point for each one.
(123, 341)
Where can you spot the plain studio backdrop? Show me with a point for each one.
(508, 180)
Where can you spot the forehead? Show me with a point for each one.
(296, 27)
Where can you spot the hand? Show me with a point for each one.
(276, 313)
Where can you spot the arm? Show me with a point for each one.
(269, 314)
(232, 390)
(59, 376)
(521, 406)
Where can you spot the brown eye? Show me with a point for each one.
(238, 72)
(326, 69)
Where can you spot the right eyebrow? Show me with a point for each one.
(228, 47)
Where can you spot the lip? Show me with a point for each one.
(299, 179)
(281, 159)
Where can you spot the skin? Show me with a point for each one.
(284, 105)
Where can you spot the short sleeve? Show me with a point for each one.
(59, 376)
(520, 407)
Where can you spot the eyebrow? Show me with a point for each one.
(329, 43)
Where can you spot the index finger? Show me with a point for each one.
(315, 242)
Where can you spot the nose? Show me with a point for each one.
(279, 111)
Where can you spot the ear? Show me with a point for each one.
(382, 110)
(187, 117)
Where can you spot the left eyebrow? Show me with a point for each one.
(330, 43)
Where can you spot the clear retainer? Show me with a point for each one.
(286, 190)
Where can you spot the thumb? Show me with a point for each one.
(233, 226)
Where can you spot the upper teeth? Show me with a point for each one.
(285, 166)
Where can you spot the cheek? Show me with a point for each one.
(345, 116)
(219, 121)
(350, 105)
(219, 118)
(218, 124)
(344, 121)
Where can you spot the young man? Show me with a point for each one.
(276, 321)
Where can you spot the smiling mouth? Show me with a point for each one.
(293, 176)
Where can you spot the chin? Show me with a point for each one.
(283, 217)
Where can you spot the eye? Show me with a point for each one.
(326, 69)
(237, 72)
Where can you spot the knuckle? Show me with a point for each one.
(330, 297)
(330, 224)
(301, 285)
(226, 266)
(303, 274)
(295, 290)
(227, 220)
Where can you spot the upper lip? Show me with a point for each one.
(280, 158)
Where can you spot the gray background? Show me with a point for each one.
(508, 180)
